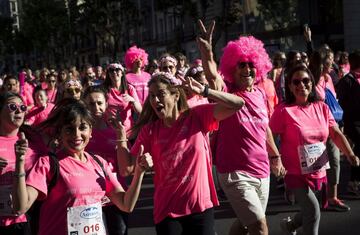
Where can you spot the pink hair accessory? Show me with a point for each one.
(173, 80)
(134, 53)
(245, 49)
(72, 82)
(115, 66)
(168, 59)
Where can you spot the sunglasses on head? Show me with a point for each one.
(114, 70)
(242, 65)
(13, 107)
(304, 81)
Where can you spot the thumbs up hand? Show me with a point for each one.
(143, 161)
(21, 147)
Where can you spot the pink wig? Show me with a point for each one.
(245, 49)
(134, 53)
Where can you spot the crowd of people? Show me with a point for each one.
(77, 144)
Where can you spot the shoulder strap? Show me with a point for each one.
(97, 160)
(55, 169)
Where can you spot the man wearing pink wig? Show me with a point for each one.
(245, 150)
(135, 61)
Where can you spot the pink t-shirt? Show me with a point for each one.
(325, 81)
(182, 163)
(241, 140)
(38, 114)
(139, 81)
(6, 174)
(197, 100)
(79, 183)
(116, 102)
(103, 142)
(298, 126)
(51, 94)
(272, 100)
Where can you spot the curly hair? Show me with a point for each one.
(134, 53)
(245, 49)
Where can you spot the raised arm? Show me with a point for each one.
(126, 200)
(226, 104)
(204, 42)
(23, 196)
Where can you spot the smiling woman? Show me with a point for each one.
(84, 179)
(12, 112)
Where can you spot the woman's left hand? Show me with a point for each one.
(193, 86)
(354, 160)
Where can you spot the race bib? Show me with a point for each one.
(313, 157)
(85, 220)
(6, 201)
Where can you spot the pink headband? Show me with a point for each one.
(168, 76)
(168, 59)
(71, 83)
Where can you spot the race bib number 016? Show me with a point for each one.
(85, 220)
(313, 157)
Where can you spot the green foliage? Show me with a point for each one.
(279, 13)
(45, 24)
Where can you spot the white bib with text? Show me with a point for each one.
(85, 220)
(313, 157)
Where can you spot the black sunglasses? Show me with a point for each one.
(242, 65)
(304, 81)
(167, 67)
(13, 107)
(114, 70)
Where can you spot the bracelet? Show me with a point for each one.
(19, 175)
(124, 140)
(206, 90)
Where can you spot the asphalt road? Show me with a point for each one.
(332, 223)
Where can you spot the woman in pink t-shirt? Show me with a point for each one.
(41, 110)
(51, 88)
(244, 140)
(122, 97)
(176, 138)
(304, 124)
(74, 203)
(103, 142)
(135, 60)
(12, 113)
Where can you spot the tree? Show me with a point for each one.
(280, 14)
(110, 20)
(46, 28)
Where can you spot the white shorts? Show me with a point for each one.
(248, 195)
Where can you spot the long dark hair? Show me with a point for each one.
(66, 112)
(107, 84)
(289, 96)
(148, 114)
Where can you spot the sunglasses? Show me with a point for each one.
(167, 67)
(242, 65)
(304, 81)
(52, 81)
(13, 107)
(72, 91)
(114, 70)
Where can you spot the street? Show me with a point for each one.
(332, 223)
